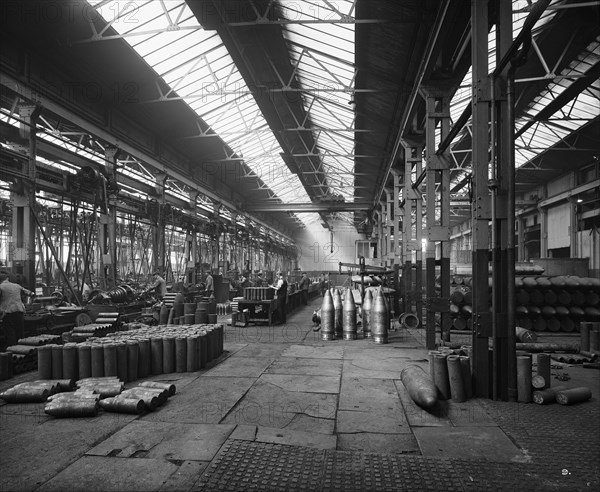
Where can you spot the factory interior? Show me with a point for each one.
(306, 245)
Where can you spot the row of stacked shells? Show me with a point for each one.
(338, 318)
(134, 354)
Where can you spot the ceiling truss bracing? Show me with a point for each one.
(557, 94)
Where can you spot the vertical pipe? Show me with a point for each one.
(511, 363)
(524, 379)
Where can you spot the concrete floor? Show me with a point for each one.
(283, 410)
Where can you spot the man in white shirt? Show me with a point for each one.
(210, 284)
(159, 285)
(12, 309)
(281, 288)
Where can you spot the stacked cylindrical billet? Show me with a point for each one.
(22, 357)
(461, 300)
(543, 303)
(557, 303)
(259, 293)
(134, 354)
(450, 371)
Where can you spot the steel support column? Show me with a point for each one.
(437, 99)
(412, 227)
(158, 228)
(23, 201)
(503, 229)
(107, 236)
(391, 230)
(481, 207)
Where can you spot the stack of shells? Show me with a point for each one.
(339, 317)
(557, 303)
(23, 356)
(543, 303)
(259, 293)
(130, 355)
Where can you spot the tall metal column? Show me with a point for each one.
(391, 230)
(437, 101)
(158, 228)
(481, 206)
(412, 226)
(503, 229)
(23, 200)
(543, 232)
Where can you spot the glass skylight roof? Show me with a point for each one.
(198, 69)
(543, 135)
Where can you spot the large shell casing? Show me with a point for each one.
(328, 317)
(366, 313)
(349, 316)
(380, 319)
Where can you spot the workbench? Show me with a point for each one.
(265, 314)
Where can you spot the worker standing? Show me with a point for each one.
(210, 284)
(12, 309)
(303, 286)
(281, 290)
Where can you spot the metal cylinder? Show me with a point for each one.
(465, 365)
(548, 395)
(573, 395)
(84, 407)
(524, 379)
(193, 351)
(543, 368)
(440, 370)
(178, 308)
(366, 313)
(455, 378)
(121, 360)
(188, 319)
(349, 316)
(97, 358)
(170, 387)
(57, 357)
(156, 348)
(123, 405)
(70, 367)
(180, 354)
(201, 316)
(431, 365)
(189, 308)
(110, 359)
(380, 319)
(163, 317)
(168, 354)
(44, 354)
(212, 319)
(144, 358)
(203, 353)
(151, 402)
(595, 337)
(6, 365)
(327, 317)
(133, 353)
(84, 360)
(339, 313)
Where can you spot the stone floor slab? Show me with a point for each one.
(185, 476)
(307, 423)
(295, 438)
(311, 367)
(488, 443)
(378, 443)
(385, 422)
(369, 395)
(303, 383)
(236, 366)
(205, 401)
(244, 432)
(376, 368)
(268, 405)
(169, 441)
(315, 352)
(267, 350)
(34, 450)
(108, 474)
